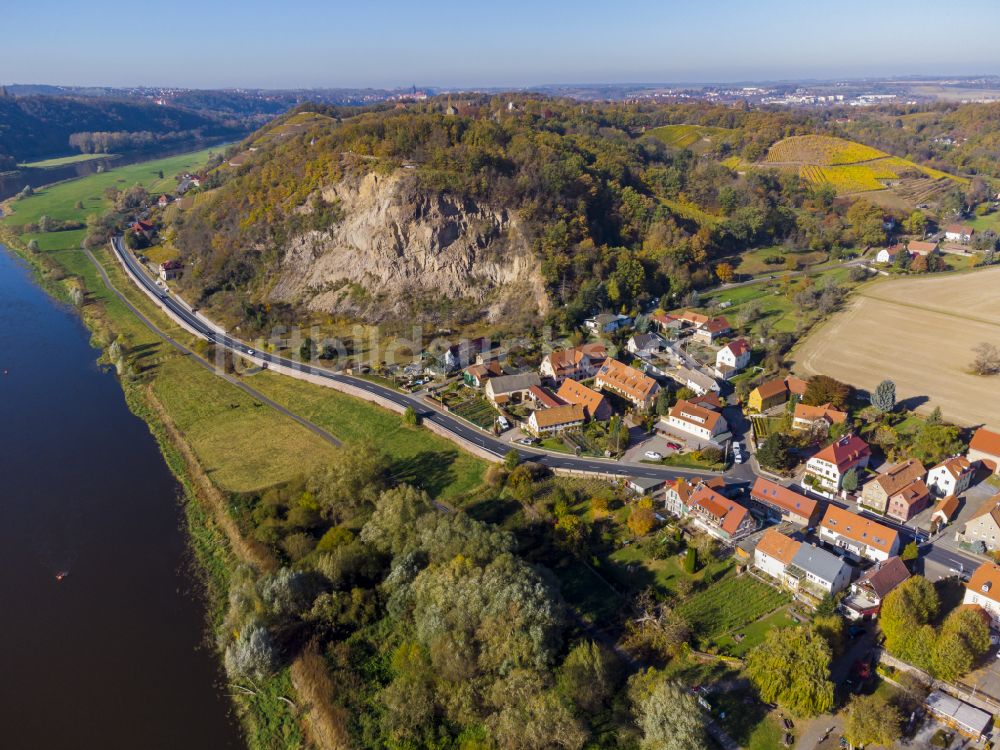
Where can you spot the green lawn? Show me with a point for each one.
(63, 160)
(59, 201)
(421, 457)
(635, 567)
(730, 604)
(753, 634)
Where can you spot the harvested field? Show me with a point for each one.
(919, 332)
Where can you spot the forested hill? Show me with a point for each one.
(34, 127)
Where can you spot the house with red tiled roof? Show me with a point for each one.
(720, 516)
(828, 467)
(555, 420)
(984, 527)
(774, 393)
(877, 491)
(808, 417)
(577, 362)
(689, 317)
(774, 553)
(907, 502)
(703, 423)
(617, 377)
(985, 447)
(712, 329)
(867, 592)
(594, 403)
(951, 477)
(983, 590)
(782, 503)
(677, 498)
(959, 233)
(858, 535)
(920, 247)
(477, 375)
(944, 511)
(732, 358)
(545, 398)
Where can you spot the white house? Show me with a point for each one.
(983, 589)
(889, 254)
(555, 420)
(774, 553)
(801, 566)
(697, 381)
(607, 323)
(827, 468)
(644, 344)
(732, 358)
(696, 420)
(950, 477)
(958, 233)
(860, 536)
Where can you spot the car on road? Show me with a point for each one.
(654, 456)
(250, 351)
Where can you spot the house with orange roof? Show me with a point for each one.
(555, 420)
(807, 417)
(984, 527)
(703, 423)
(800, 566)
(983, 590)
(950, 477)
(627, 382)
(985, 448)
(477, 375)
(718, 515)
(859, 536)
(920, 247)
(782, 503)
(774, 393)
(677, 498)
(944, 511)
(543, 397)
(876, 492)
(712, 329)
(959, 233)
(732, 358)
(577, 362)
(828, 467)
(774, 553)
(690, 317)
(909, 501)
(594, 403)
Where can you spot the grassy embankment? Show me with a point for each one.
(216, 438)
(62, 161)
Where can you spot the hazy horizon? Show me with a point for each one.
(448, 44)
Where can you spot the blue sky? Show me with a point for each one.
(314, 43)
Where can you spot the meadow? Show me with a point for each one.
(698, 138)
(63, 161)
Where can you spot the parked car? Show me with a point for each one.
(654, 456)
(674, 446)
(788, 723)
(502, 421)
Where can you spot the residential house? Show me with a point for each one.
(889, 254)
(464, 353)
(703, 423)
(712, 329)
(594, 404)
(983, 589)
(607, 323)
(576, 363)
(828, 467)
(163, 201)
(785, 504)
(920, 247)
(877, 491)
(817, 572)
(774, 393)
(171, 269)
(677, 498)
(667, 323)
(510, 388)
(543, 397)
(691, 318)
(718, 515)
(732, 358)
(959, 233)
(984, 527)
(774, 553)
(985, 447)
(707, 400)
(944, 511)
(807, 417)
(951, 477)
(860, 536)
(867, 593)
(627, 382)
(477, 375)
(909, 501)
(144, 228)
(644, 344)
(555, 420)
(697, 381)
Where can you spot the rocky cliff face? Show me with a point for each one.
(400, 250)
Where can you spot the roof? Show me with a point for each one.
(573, 392)
(796, 386)
(697, 415)
(990, 508)
(985, 580)
(775, 544)
(956, 466)
(885, 576)
(739, 347)
(685, 487)
(825, 412)
(558, 415)
(642, 340)
(696, 318)
(966, 716)
(912, 493)
(169, 265)
(569, 359)
(647, 483)
(919, 246)
(487, 369)
(771, 388)
(716, 325)
(665, 320)
(898, 476)
(511, 383)
(858, 528)
(824, 565)
(844, 452)
(710, 400)
(544, 397)
(694, 376)
(788, 500)
(730, 513)
(986, 441)
(947, 507)
(959, 229)
(627, 379)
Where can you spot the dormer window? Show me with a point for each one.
(986, 587)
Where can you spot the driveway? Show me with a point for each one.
(656, 442)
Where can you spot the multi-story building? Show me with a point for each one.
(950, 477)
(857, 535)
(627, 382)
(576, 363)
(877, 491)
(784, 504)
(828, 467)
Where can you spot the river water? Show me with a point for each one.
(112, 656)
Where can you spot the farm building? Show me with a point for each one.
(959, 233)
(510, 388)
(920, 247)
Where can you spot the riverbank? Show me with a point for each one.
(220, 441)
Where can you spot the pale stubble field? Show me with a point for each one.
(919, 332)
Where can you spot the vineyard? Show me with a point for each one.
(730, 604)
(698, 138)
(822, 150)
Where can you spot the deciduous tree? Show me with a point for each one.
(872, 720)
(792, 667)
(671, 719)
